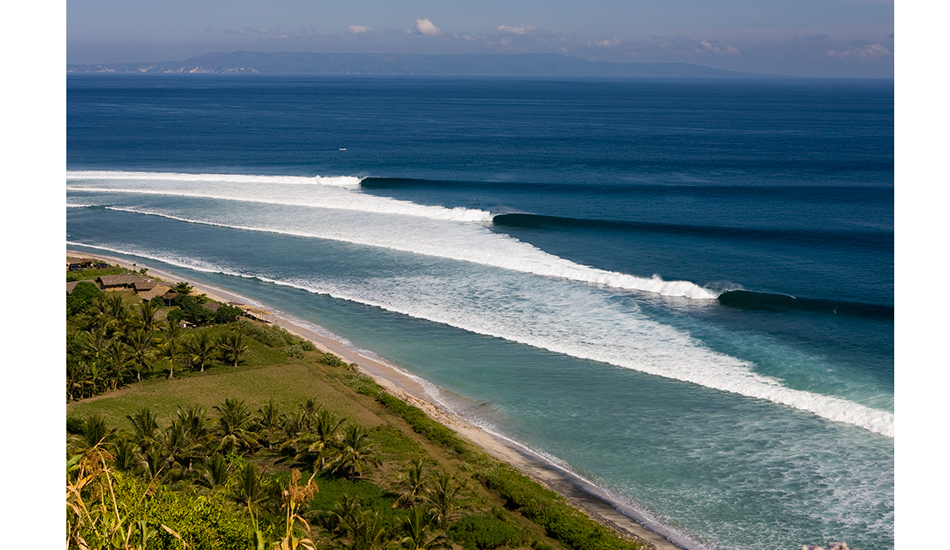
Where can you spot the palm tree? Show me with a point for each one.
(213, 472)
(314, 449)
(414, 485)
(94, 343)
(355, 452)
(173, 351)
(145, 426)
(268, 422)
(95, 433)
(146, 316)
(119, 360)
(441, 498)
(247, 486)
(365, 531)
(234, 424)
(127, 457)
(115, 311)
(195, 422)
(232, 346)
(202, 348)
(417, 527)
(142, 350)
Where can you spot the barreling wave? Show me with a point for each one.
(497, 251)
(338, 193)
(763, 301)
(832, 239)
(348, 215)
(841, 194)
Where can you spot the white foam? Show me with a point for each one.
(566, 319)
(335, 181)
(469, 242)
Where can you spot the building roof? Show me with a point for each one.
(70, 286)
(122, 280)
(146, 285)
(156, 290)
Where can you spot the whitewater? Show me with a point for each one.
(578, 321)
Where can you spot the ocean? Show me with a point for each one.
(679, 291)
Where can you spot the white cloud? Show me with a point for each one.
(603, 43)
(516, 30)
(358, 29)
(862, 52)
(727, 50)
(425, 27)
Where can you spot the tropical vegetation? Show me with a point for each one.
(241, 435)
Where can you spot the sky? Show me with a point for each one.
(821, 38)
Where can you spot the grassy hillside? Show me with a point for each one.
(216, 468)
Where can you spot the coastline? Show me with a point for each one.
(414, 391)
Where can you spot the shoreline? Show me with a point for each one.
(413, 390)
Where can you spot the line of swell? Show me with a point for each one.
(564, 270)
(834, 239)
(383, 206)
(763, 301)
(838, 194)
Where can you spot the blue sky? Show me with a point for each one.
(799, 37)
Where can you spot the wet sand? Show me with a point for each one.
(413, 391)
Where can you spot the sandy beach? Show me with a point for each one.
(413, 391)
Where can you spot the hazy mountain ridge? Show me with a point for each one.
(403, 64)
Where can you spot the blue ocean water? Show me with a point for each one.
(681, 291)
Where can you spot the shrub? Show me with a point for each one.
(483, 532)
(81, 296)
(332, 360)
(74, 425)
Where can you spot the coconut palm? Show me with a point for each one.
(232, 346)
(364, 531)
(414, 485)
(146, 316)
(418, 530)
(95, 434)
(213, 472)
(93, 344)
(195, 422)
(247, 486)
(234, 423)
(316, 448)
(120, 360)
(145, 427)
(355, 452)
(173, 352)
(142, 351)
(440, 497)
(127, 457)
(202, 348)
(268, 423)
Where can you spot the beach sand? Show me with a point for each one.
(411, 390)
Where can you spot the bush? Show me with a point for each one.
(296, 351)
(74, 425)
(332, 360)
(81, 296)
(483, 532)
(227, 314)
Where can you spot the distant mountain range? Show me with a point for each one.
(404, 64)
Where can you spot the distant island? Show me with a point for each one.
(302, 63)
